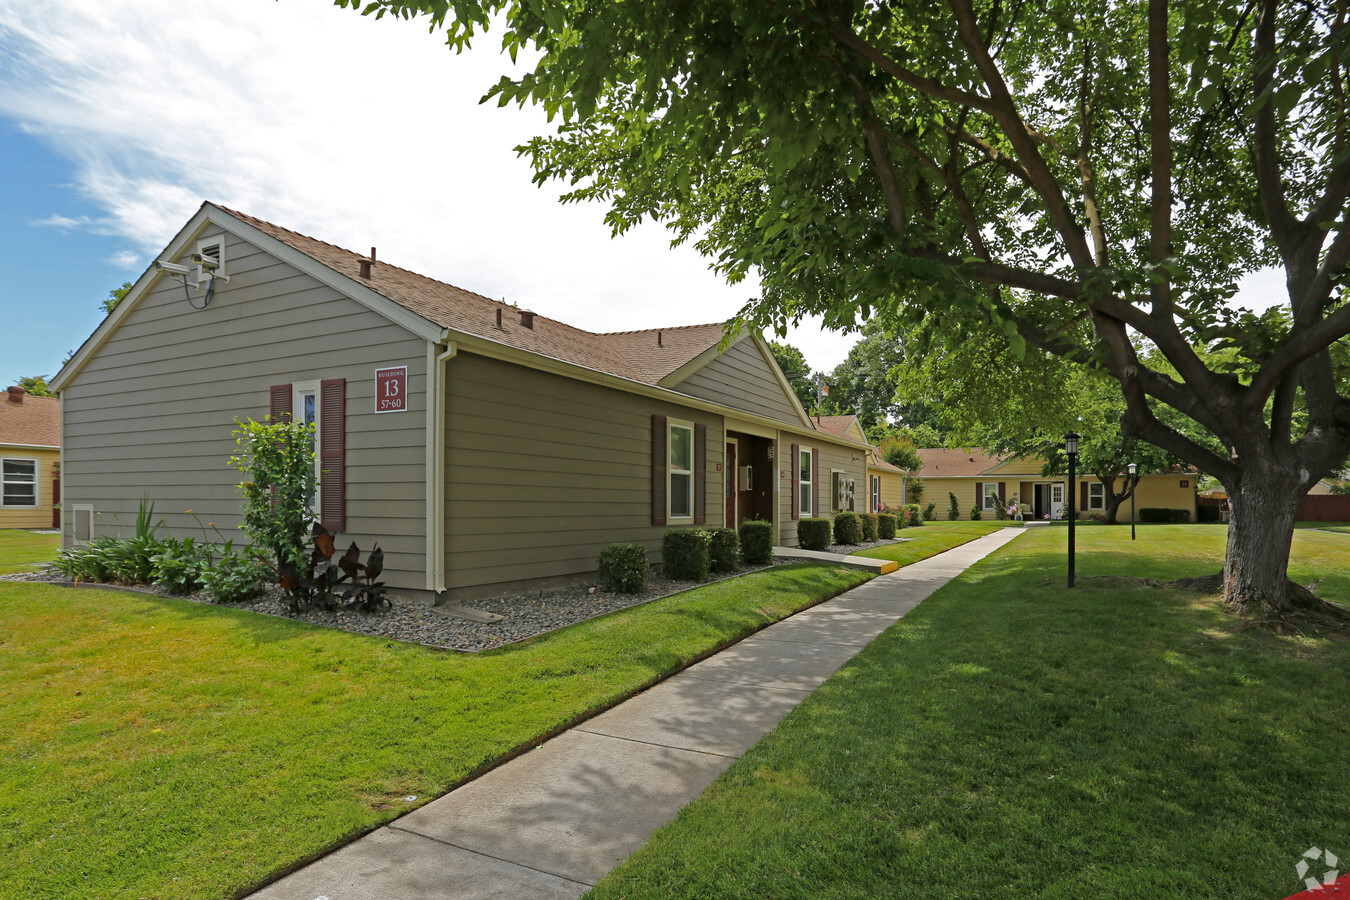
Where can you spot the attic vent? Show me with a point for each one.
(16, 393)
(527, 318)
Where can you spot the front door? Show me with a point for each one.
(1056, 501)
(730, 480)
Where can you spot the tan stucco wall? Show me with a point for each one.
(27, 516)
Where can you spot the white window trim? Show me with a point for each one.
(36, 482)
(1098, 501)
(299, 390)
(671, 471)
(988, 498)
(876, 493)
(805, 506)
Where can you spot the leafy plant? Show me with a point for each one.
(886, 526)
(928, 513)
(913, 514)
(234, 578)
(179, 565)
(757, 542)
(953, 508)
(847, 528)
(278, 460)
(724, 550)
(869, 526)
(813, 534)
(976, 513)
(685, 553)
(622, 568)
(314, 585)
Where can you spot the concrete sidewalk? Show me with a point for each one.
(552, 822)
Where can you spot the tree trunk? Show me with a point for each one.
(1260, 532)
(1112, 506)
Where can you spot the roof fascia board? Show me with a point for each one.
(7, 446)
(472, 343)
(148, 279)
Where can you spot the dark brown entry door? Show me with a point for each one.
(729, 479)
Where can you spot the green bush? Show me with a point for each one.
(684, 553)
(1162, 516)
(886, 526)
(813, 534)
(976, 513)
(928, 514)
(622, 568)
(953, 508)
(914, 517)
(757, 542)
(178, 566)
(724, 550)
(869, 526)
(234, 579)
(1206, 514)
(847, 528)
(277, 461)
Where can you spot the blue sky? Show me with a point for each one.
(118, 119)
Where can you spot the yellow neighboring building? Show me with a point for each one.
(980, 479)
(885, 482)
(30, 458)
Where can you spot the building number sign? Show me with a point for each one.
(391, 389)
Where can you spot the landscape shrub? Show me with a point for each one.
(1161, 516)
(953, 508)
(724, 550)
(886, 525)
(913, 515)
(1208, 514)
(622, 568)
(813, 534)
(314, 584)
(277, 459)
(929, 514)
(847, 528)
(757, 542)
(178, 565)
(684, 554)
(976, 513)
(914, 487)
(234, 578)
(1000, 512)
(869, 526)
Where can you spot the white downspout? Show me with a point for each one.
(436, 477)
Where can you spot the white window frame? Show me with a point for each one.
(805, 486)
(989, 494)
(1096, 495)
(300, 390)
(876, 493)
(36, 483)
(672, 471)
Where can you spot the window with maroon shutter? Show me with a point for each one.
(1083, 496)
(700, 474)
(659, 470)
(1003, 494)
(815, 481)
(281, 402)
(333, 454)
(796, 481)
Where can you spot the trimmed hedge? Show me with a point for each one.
(953, 508)
(757, 542)
(1161, 516)
(928, 514)
(813, 534)
(684, 553)
(847, 528)
(724, 550)
(915, 518)
(886, 526)
(622, 568)
(1207, 514)
(869, 526)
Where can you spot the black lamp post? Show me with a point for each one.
(1071, 450)
(1134, 483)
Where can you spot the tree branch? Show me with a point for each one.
(1268, 178)
(1160, 119)
(919, 82)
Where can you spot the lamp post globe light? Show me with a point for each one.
(1134, 483)
(1071, 451)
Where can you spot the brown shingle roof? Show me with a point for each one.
(879, 463)
(837, 425)
(944, 463)
(36, 421)
(631, 354)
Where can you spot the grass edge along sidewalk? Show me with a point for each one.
(159, 747)
(1011, 737)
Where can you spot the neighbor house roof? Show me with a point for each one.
(836, 425)
(32, 422)
(942, 462)
(879, 463)
(646, 356)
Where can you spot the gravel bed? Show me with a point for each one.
(526, 614)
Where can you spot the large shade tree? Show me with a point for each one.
(1084, 176)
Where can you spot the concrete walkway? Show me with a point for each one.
(552, 822)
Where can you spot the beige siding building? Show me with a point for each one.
(30, 455)
(483, 447)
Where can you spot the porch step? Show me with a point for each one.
(876, 566)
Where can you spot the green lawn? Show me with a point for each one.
(1013, 738)
(24, 551)
(929, 539)
(161, 748)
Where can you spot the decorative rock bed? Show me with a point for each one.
(524, 614)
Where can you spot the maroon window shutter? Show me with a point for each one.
(1003, 493)
(1084, 494)
(815, 481)
(333, 454)
(700, 474)
(281, 402)
(659, 470)
(796, 462)
(979, 494)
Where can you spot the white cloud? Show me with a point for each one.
(65, 223)
(126, 259)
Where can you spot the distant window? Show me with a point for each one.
(990, 494)
(305, 408)
(804, 481)
(18, 482)
(1096, 495)
(681, 492)
(876, 493)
